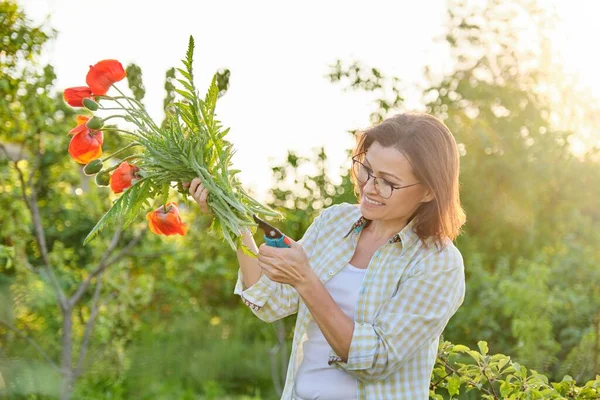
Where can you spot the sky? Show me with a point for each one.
(279, 53)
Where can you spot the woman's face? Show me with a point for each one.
(391, 165)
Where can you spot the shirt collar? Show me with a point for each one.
(407, 236)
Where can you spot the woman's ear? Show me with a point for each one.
(427, 197)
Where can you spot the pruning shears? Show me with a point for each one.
(273, 236)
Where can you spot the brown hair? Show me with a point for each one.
(431, 149)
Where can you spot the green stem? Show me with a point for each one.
(131, 157)
(115, 108)
(120, 151)
(132, 113)
(120, 130)
(145, 117)
(121, 162)
(123, 97)
(111, 168)
(114, 116)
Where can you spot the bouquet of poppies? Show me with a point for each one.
(190, 143)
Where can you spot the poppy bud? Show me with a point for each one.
(85, 145)
(90, 104)
(103, 75)
(102, 178)
(124, 177)
(93, 167)
(74, 96)
(95, 123)
(166, 221)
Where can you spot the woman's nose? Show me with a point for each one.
(369, 186)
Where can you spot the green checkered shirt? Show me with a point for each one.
(409, 292)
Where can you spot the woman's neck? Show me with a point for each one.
(384, 230)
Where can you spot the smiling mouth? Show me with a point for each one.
(372, 202)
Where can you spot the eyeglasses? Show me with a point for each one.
(382, 186)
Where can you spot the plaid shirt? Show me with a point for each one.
(409, 292)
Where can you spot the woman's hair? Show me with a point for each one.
(431, 150)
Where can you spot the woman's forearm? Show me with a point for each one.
(334, 324)
(251, 272)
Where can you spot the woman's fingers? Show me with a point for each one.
(194, 185)
(203, 203)
(268, 270)
(203, 195)
(198, 192)
(200, 195)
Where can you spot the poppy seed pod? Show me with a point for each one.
(90, 104)
(93, 167)
(102, 178)
(95, 123)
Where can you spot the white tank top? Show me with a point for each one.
(315, 379)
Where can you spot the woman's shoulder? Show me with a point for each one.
(341, 212)
(445, 256)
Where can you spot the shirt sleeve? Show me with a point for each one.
(270, 300)
(411, 319)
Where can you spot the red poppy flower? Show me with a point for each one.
(74, 96)
(85, 145)
(101, 76)
(166, 222)
(123, 177)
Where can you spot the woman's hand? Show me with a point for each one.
(286, 265)
(199, 193)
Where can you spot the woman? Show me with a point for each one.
(374, 284)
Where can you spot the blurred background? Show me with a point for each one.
(133, 315)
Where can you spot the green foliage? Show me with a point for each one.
(223, 80)
(302, 197)
(357, 76)
(21, 42)
(126, 207)
(460, 370)
(134, 80)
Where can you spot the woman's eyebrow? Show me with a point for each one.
(383, 173)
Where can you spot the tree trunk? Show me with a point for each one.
(279, 367)
(66, 365)
(597, 345)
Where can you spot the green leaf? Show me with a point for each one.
(185, 94)
(125, 208)
(483, 347)
(453, 385)
(185, 74)
(165, 193)
(460, 348)
(186, 85)
(505, 389)
(246, 250)
(503, 362)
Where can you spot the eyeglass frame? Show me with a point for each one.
(376, 178)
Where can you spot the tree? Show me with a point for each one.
(42, 220)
